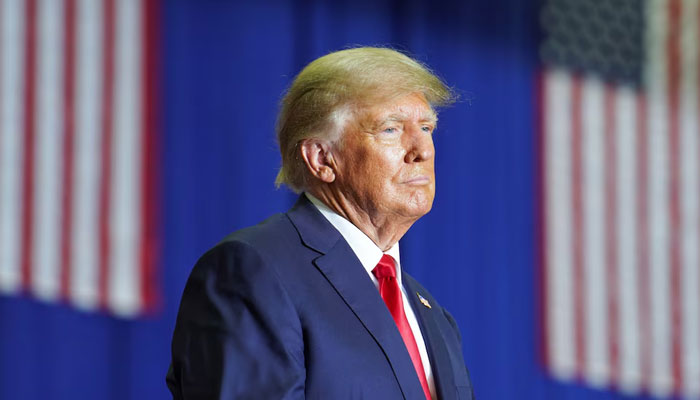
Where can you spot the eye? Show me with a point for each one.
(427, 129)
(391, 130)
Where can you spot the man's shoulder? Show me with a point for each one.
(270, 230)
(243, 259)
(275, 235)
(280, 229)
(277, 240)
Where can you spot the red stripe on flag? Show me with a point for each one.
(674, 72)
(106, 150)
(150, 156)
(541, 264)
(642, 240)
(29, 132)
(611, 256)
(68, 144)
(577, 231)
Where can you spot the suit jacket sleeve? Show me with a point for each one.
(237, 334)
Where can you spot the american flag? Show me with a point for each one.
(620, 171)
(621, 194)
(78, 152)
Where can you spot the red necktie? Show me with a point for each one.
(385, 271)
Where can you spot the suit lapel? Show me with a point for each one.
(343, 270)
(434, 342)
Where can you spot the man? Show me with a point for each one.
(313, 303)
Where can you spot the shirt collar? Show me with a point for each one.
(364, 248)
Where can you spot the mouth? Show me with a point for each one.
(418, 180)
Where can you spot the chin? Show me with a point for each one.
(426, 209)
(419, 205)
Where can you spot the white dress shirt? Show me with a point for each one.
(369, 255)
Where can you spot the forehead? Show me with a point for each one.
(407, 107)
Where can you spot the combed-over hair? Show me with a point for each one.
(317, 103)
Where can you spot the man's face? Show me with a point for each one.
(386, 157)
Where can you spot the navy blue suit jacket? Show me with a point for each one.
(285, 310)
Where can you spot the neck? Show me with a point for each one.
(384, 230)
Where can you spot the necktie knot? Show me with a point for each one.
(385, 268)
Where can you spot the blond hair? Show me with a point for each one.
(316, 104)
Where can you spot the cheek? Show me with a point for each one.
(363, 173)
(374, 167)
(379, 165)
(395, 155)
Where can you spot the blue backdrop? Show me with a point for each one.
(223, 69)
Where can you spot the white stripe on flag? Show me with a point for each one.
(626, 214)
(689, 198)
(560, 305)
(48, 150)
(11, 145)
(596, 363)
(124, 265)
(84, 242)
(661, 383)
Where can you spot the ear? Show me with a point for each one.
(318, 159)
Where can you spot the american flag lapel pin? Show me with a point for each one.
(423, 300)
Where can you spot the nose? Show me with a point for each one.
(419, 145)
